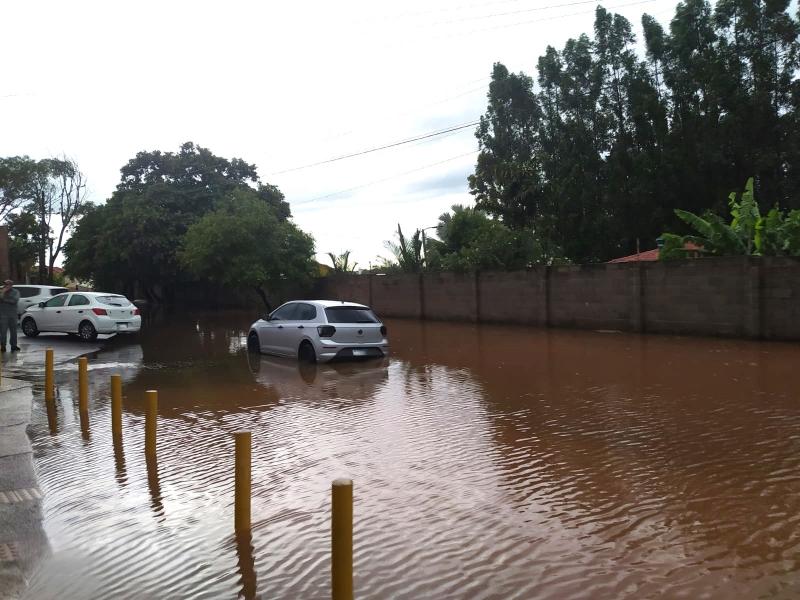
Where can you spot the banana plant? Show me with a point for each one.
(748, 233)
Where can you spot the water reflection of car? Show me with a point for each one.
(82, 313)
(319, 331)
(311, 381)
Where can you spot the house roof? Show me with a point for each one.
(650, 255)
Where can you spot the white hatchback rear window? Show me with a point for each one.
(113, 300)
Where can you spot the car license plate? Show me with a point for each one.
(359, 352)
(122, 325)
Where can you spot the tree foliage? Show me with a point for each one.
(408, 252)
(749, 233)
(341, 262)
(132, 242)
(52, 189)
(611, 143)
(470, 240)
(243, 243)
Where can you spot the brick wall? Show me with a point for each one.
(592, 296)
(397, 295)
(450, 296)
(736, 296)
(515, 297)
(780, 298)
(702, 296)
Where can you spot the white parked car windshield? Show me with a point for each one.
(350, 314)
(113, 300)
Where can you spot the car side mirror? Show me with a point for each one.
(268, 317)
(41, 304)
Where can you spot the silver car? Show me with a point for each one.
(319, 331)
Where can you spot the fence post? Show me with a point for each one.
(150, 422)
(48, 375)
(342, 539)
(242, 475)
(83, 384)
(116, 407)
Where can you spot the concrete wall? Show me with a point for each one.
(515, 297)
(736, 296)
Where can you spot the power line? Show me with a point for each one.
(384, 147)
(377, 181)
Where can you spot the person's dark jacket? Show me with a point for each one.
(8, 303)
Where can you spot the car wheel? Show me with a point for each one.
(29, 327)
(252, 343)
(306, 352)
(87, 331)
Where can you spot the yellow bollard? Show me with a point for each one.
(48, 375)
(150, 422)
(116, 407)
(83, 384)
(342, 539)
(241, 516)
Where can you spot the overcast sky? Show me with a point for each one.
(281, 85)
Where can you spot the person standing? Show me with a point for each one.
(9, 297)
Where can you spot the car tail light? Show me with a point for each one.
(100, 312)
(326, 331)
(383, 330)
(136, 311)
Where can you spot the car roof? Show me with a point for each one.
(95, 294)
(47, 287)
(329, 303)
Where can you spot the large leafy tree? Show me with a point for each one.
(613, 141)
(132, 242)
(242, 243)
(52, 189)
(470, 240)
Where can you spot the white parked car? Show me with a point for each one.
(83, 313)
(319, 331)
(31, 295)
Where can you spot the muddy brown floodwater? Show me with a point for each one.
(488, 461)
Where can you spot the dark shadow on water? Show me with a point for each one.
(154, 485)
(247, 566)
(121, 472)
(85, 432)
(52, 417)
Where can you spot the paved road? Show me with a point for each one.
(22, 538)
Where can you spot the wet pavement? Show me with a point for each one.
(489, 462)
(23, 542)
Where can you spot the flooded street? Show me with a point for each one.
(488, 462)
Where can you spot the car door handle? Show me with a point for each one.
(280, 326)
(300, 327)
(58, 311)
(80, 312)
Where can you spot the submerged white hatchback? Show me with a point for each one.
(83, 313)
(320, 331)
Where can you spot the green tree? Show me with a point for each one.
(131, 243)
(242, 243)
(341, 262)
(507, 182)
(48, 188)
(23, 233)
(748, 233)
(470, 240)
(407, 252)
(610, 145)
